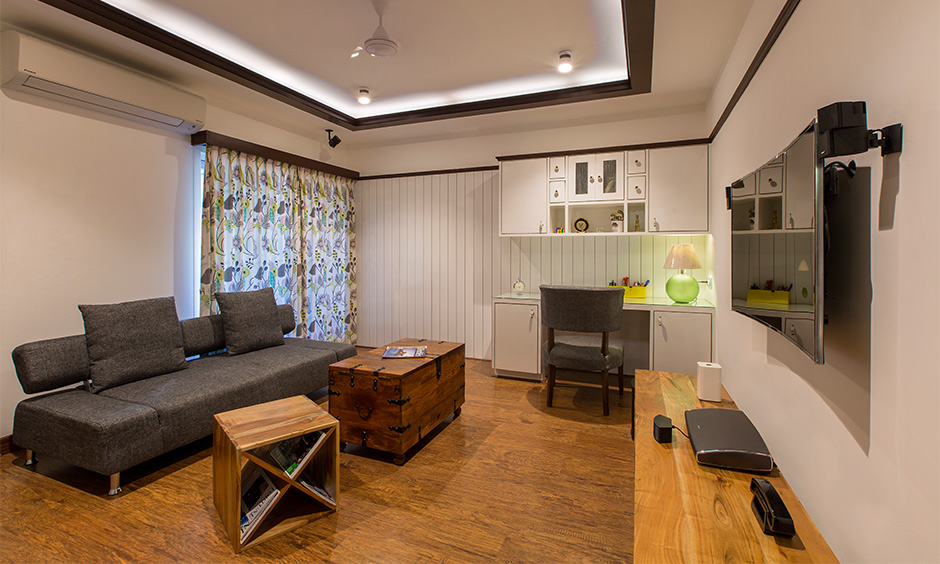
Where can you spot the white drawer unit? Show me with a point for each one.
(636, 187)
(556, 168)
(556, 191)
(636, 162)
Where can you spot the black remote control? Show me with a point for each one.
(770, 510)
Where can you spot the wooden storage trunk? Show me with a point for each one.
(391, 403)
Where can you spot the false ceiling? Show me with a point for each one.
(454, 58)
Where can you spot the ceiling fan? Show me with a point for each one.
(380, 44)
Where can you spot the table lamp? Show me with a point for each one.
(681, 287)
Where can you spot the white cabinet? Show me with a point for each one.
(517, 339)
(556, 168)
(680, 340)
(801, 331)
(801, 183)
(677, 188)
(636, 162)
(523, 197)
(595, 177)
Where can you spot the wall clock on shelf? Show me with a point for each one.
(581, 225)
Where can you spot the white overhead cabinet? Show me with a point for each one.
(597, 177)
(523, 197)
(678, 189)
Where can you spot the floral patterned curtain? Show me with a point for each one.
(270, 224)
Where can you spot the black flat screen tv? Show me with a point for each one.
(777, 238)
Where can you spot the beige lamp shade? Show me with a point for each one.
(682, 257)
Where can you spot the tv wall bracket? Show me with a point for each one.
(842, 129)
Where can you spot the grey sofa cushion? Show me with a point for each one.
(583, 352)
(341, 351)
(52, 363)
(251, 320)
(132, 340)
(203, 335)
(187, 400)
(93, 431)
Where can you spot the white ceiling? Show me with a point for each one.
(447, 48)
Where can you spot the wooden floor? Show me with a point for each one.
(510, 480)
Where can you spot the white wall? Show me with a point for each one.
(94, 209)
(874, 491)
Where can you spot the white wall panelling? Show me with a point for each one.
(430, 259)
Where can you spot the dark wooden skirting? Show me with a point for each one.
(6, 444)
(772, 35)
(638, 16)
(219, 140)
(616, 149)
(430, 172)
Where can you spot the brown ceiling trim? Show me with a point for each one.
(781, 22)
(430, 172)
(638, 16)
(219, 140)
(122, 23)
(617, 149)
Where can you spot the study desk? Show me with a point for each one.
(657, 333)
(684, 512)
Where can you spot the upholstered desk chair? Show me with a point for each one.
(582, 310)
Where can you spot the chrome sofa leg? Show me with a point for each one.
(31, 458)
(115, 484)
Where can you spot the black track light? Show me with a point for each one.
(334, 140)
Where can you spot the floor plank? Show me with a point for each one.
(510, 480)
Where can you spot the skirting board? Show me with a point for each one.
(6, 444)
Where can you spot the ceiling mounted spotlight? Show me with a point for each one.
(364, 96)
(333, 140)
(564, 62)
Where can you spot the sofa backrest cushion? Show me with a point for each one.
(52, 363)
(251, 320)
(131, 341)
(203, 335)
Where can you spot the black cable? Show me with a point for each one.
(681, 431)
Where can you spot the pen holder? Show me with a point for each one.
(634, 292)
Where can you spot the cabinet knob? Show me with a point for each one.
(637, 162)
(655, 224)
(591, 178)
(659, 320)
(532, 314)
(599, 179)
(637, 188)
(556, 193)
(541, 226)
(791, 220)
(556, 168)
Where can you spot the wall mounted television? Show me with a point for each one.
(777, 238)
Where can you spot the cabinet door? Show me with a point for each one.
(581, 178)
(677, 189)
(680, 340)
(523, 204)
(556, 168)
(801, 331)
(556, 191)
(636, 187)
(636, 162)
(516, 338)
(800, 190)
(608, 169)
(770, 180)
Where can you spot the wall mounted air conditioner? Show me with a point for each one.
(39, 68)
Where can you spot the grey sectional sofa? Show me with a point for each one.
(112, 429)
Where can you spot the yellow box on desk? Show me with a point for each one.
(769, 296)
(634, 292)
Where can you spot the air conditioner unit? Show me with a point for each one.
(39, 68)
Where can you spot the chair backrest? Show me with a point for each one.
(581, 309)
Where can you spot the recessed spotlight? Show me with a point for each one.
(564, 62)
(364, 96)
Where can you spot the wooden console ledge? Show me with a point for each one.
(685, 512)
